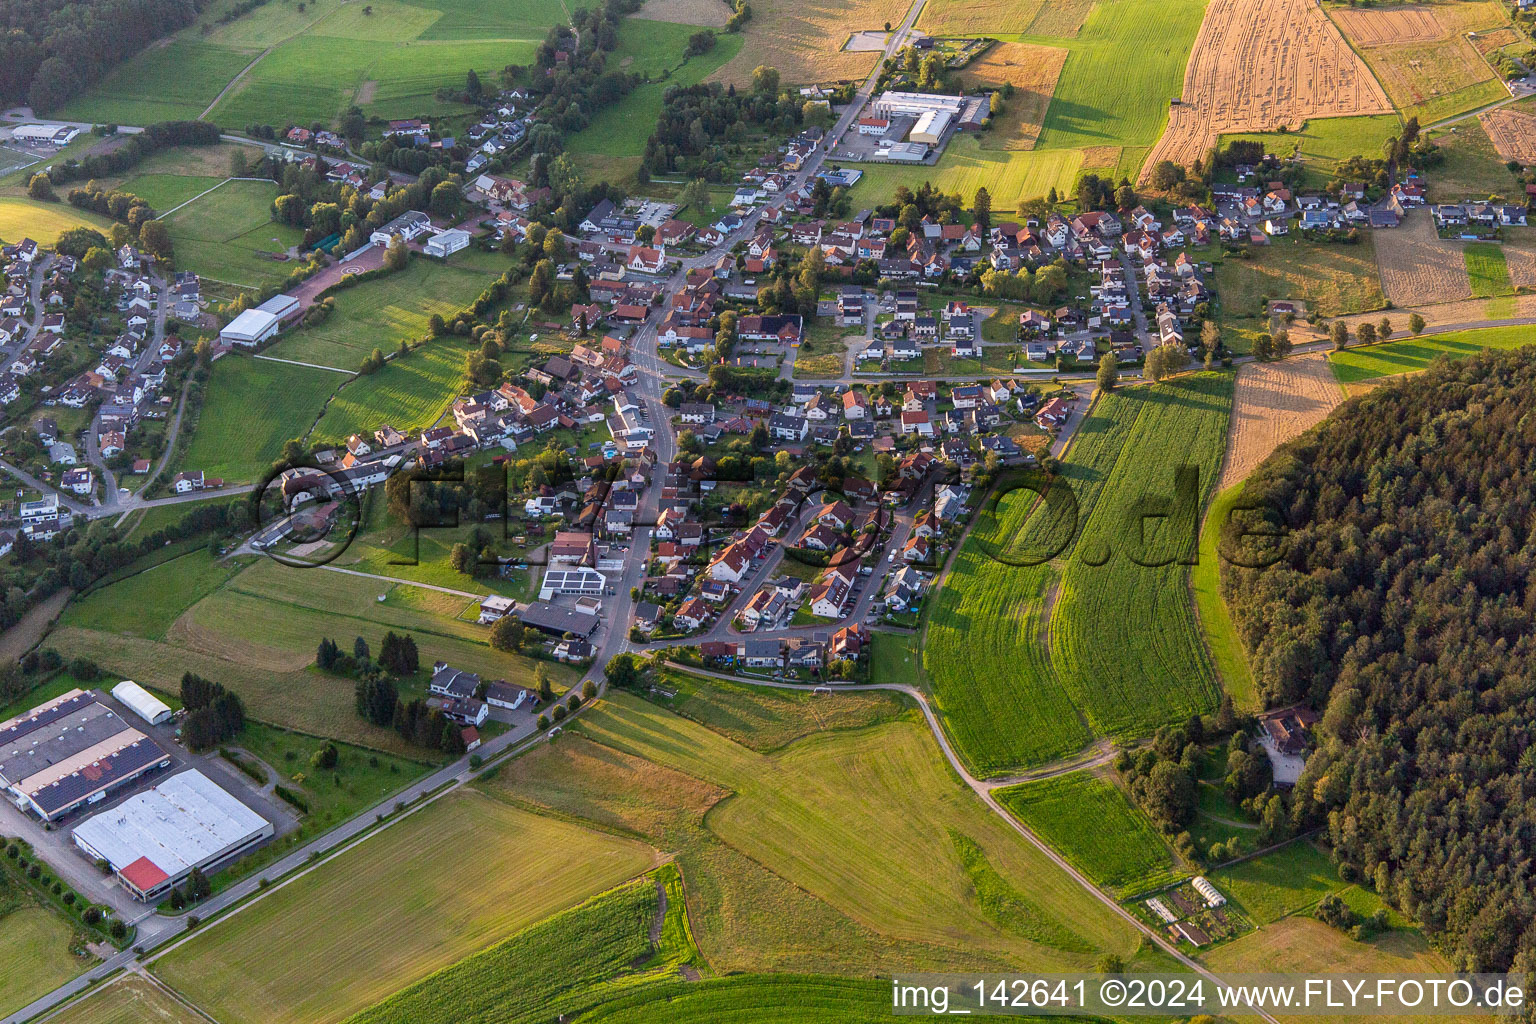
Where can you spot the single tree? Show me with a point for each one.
(1109, 372)
(1339, 333)
(1415, 324)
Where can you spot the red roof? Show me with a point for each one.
(143, 874)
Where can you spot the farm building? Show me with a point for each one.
(141, 702)
(69, 752)
(155, 839)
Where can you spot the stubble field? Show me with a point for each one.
(1422, 57)
(804, 40)
(1032, 71)
(1417, 266)
(1513, 133)
(1258, 67)
(1273, 403)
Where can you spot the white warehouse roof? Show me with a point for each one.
(185, 822)
(252, 325)
(141, 702)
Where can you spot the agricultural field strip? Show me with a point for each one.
(1273, 403)
(1151, 668)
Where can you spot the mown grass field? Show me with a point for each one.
(383, 312)
(1279, 883)
(128, 1000)
(311, 61)
(1221, 639)
(1121, 851)
(324, 947)
(386, 547)
(862, 820)
(174, 81)
(257, 634)
(1486, 269)
(43, 222)
(1472, 167)
(1031, 662)
(577, 959)
(1412, 354)
(1326, 141)
(1330, 279)
(166, 191)
(766, 719)
(253, 406)
(1124, 638)
(34, 946)
(654, 48)
(1011, 176)
(228, 235)
(408, 393)
(1115, 87)
(146, 604)
(764, 999)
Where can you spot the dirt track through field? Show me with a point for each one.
(1417, 266)
(1259, 66)
(1513, 133)
(1273, 403)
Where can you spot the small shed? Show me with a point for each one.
(141, 702)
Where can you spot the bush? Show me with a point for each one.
(92, 916)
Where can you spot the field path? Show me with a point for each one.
(405, 583)
(983, 789)
(257, 60)
(312, 366)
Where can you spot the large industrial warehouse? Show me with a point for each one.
(69, 752)
(155, 839)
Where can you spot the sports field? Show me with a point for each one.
(229, 235)
(860, 819)
(128, 1000)
(323, 947)
(253, 406)
(1122, 851)
(34, 946)
(1024, 666)
(286, 62)
(43, 222)
(1411, 354)
(383, 312)
(258, 632)
(166, 191)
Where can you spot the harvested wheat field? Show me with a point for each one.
(1428, 76)
(1378, 26)
(1513, 133)
(1033, 70)
(710, 13)
(1273, 403)
(1259, 67)
(804, 39)
(1417, 266)
(975, 17)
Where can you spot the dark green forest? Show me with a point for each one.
(1401, 607)
(50, 50)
